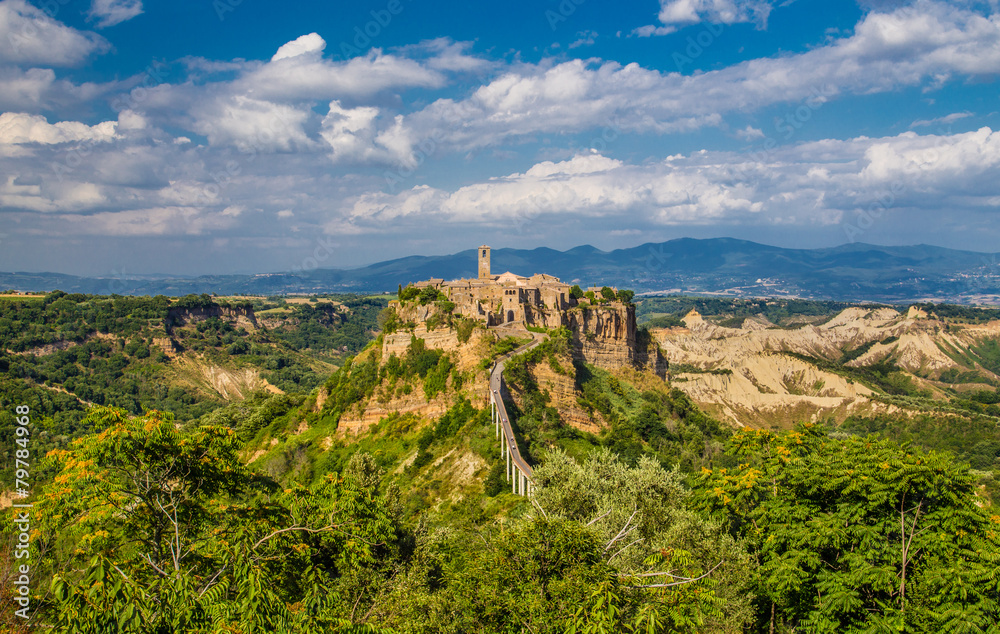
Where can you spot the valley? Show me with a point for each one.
(759, 374)
(379, 412)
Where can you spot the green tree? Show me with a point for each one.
(530, 577)
(861, 534)
(409, 292)
(148, 529)
(608, 293)
(643, 520)
(626, 296)
(388, 321)
(576, 292)
(430, 294)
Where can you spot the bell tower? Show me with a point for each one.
(484, 264)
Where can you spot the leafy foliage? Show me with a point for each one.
(352, 383)
(642, 512)
(252, 414)
(625, 295)
(776, 310)
(975, 440)
(963, 314)
(344, 328)
(147, 525)
(860, 534)
(148, 529)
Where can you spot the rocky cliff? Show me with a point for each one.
(606, 336)
(563, 395)
(465, 355)
(235, 315)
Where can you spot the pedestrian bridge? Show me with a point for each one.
(518, 471)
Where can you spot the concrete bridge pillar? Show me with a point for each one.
(507, 454)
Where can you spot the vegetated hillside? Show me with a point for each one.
(325, 510)
(61, 353)
(417, 397)
(850, 272)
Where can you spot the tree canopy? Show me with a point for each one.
(860, 534)
(150, 529)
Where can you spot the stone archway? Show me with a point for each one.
(510, 315)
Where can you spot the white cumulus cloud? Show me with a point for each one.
(923, 44)
(29, 36)
(298, 71)
(678, 13)
(252, 124)
(815, 183)
(718, 11)
(305, 45)
(21, 128)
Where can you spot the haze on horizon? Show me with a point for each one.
(198, 137)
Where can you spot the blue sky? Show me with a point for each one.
(221, 136)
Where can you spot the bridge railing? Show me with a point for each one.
(517, 469)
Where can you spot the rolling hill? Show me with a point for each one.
(850, 272)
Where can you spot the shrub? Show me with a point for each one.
(464, 329)
(408, 293)
(430, 294)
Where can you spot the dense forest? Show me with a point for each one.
(61, 353)
(151, 515)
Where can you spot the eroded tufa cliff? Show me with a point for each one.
(235, 315)
(607, 337)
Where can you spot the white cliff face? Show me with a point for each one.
(768, 384)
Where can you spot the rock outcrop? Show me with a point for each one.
(236, 315)
(606, 336)
(561, 388)
(466, 355)
(359, 420)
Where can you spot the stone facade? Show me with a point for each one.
(604, 335)
(504, 298)
(484, 263)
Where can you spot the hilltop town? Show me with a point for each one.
(506, 298)
(601, 319)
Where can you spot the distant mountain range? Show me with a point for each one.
(851, 272)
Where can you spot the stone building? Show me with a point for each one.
(504, 298)
(603, 333)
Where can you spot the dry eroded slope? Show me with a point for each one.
(770, 386)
